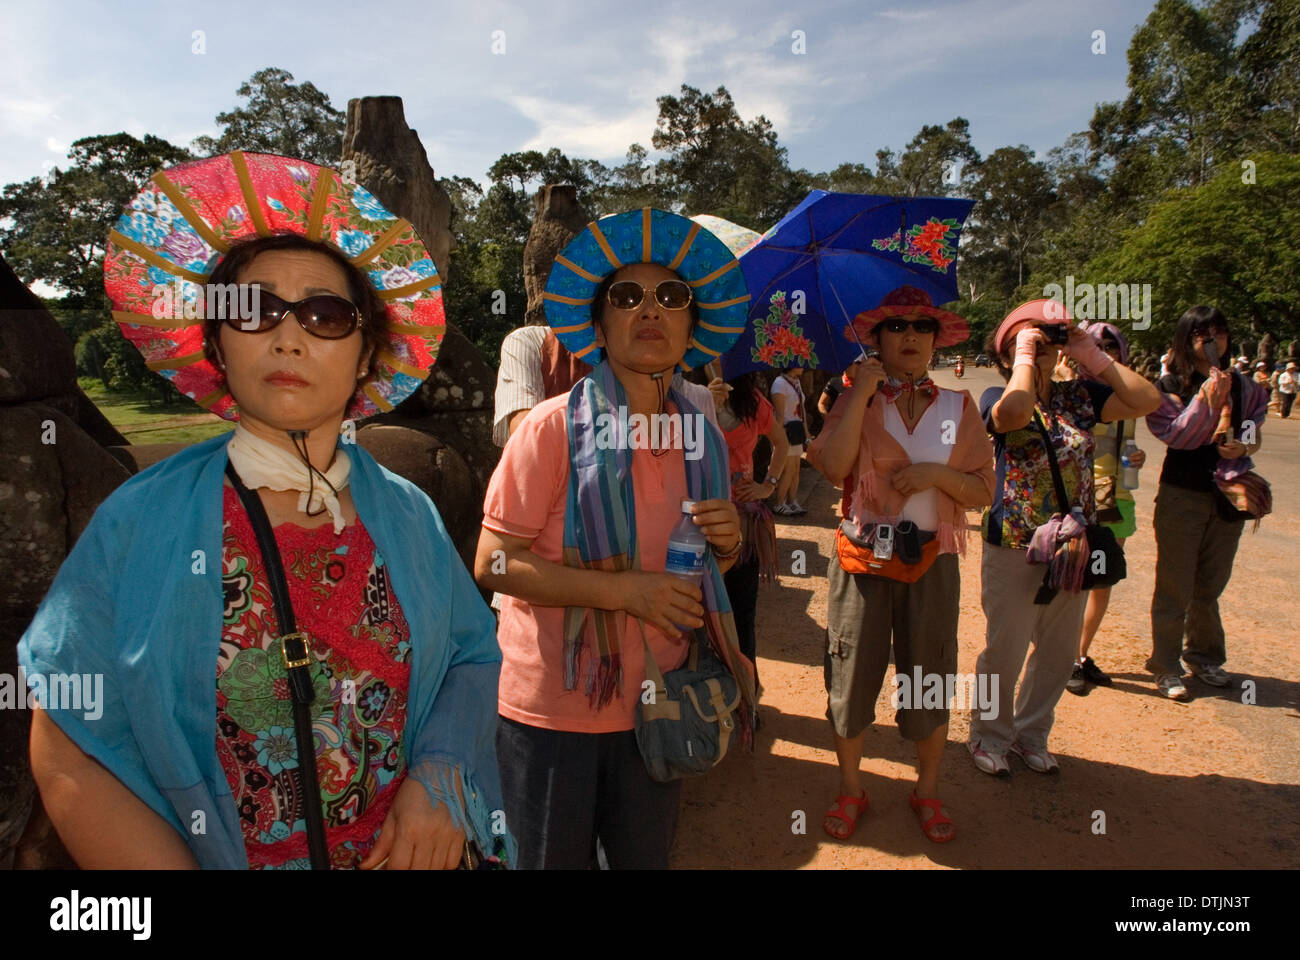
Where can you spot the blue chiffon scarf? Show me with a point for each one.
(140, 601)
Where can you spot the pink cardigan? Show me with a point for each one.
(869, 494)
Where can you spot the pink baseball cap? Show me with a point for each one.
(1036, 312)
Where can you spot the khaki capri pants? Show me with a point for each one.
(863, 614)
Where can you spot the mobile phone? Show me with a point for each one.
(1211, 348)
(883, 548)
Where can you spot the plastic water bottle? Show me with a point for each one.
(1130, 479)
(686, 546)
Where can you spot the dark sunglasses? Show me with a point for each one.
(327, 316)
(670, 294)
(1207, 333)
(922, 325)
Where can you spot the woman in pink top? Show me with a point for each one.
(575, 536)
(913, 458)
(744, 415)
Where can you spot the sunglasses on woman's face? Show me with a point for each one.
(1209, 333)
(922, 325)
(327, 316)
(669, 294)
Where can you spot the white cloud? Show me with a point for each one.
(26, 116)
(583, 130)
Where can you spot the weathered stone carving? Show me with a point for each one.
(558, 217)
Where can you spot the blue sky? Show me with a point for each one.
(582, 76)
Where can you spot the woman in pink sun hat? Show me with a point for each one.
(297, 669)
(912, 458)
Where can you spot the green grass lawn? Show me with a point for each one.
(143, 422)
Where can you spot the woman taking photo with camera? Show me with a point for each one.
(912, 459)
(1031, 410)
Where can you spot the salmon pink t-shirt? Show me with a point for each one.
(742, 438)
(526, 498)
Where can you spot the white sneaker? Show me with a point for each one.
(994, 764)
(1209, 673)
(1039, 761)
(1171, 686)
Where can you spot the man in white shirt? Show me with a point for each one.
(519, 379)
(1287, 385)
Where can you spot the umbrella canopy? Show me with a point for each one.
(736, 238)
(831, 257)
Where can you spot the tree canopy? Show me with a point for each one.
(1188, 183)
(291, 119)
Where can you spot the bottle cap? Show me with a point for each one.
(687, 505)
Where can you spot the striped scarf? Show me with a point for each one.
(600, 534)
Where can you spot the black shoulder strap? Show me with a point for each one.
(297, 663)
(1062, 500)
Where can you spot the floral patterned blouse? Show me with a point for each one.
(343, 599)
(1023, 492)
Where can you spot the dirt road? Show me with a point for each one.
(1210, 783)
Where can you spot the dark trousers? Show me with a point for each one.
(742, 589)
(1195, 548)
(564, 790)
(1286, 399)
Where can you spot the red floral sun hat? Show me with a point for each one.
(909, 301)
(186, 218)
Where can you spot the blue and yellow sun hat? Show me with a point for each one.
(648, 236)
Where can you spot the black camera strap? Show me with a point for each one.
(297, 663)
(1062, 500)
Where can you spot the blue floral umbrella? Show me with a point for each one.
(831, 257)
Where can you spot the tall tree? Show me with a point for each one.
(633, 183)
(938, 161)
(54, 229)
(1172, 127)
(1015, 195)
(718, 163)
(1268, 92)
(291, 119)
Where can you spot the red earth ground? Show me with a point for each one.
(1213, 783)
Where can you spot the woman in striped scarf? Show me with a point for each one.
(575, 536)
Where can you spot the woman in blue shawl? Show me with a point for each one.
(328, 306)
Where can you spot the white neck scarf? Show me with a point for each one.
(260, 463)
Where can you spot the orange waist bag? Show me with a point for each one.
(855, 558)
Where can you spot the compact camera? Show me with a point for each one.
(1057, 333)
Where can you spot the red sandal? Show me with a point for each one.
(936, 818)
(860, 805)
